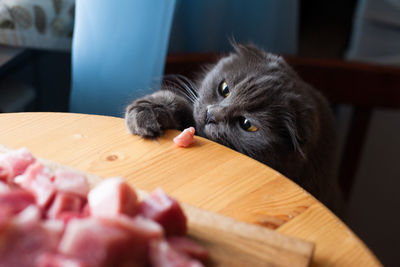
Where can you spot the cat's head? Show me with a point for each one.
(253, 102)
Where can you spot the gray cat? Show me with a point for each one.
(254, 103)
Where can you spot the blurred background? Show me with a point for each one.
(95, 56)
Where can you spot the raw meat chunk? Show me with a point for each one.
(98, 243)
(71, 182)
(31, 214)
(38, 179)
(25, 243)
(112, 197)
(58, 260)
(85, 210)
(55, 227)
(14, 201)
(139, 227)
(140, 231)
(65, 203)
(165, 210)
(15, 163)
(4, 173)
(91, 242)
(185, 138)
(3, 187)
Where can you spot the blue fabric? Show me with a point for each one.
(119, 47)
(118, 52)
(207, 25)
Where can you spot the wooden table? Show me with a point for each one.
(206, 175)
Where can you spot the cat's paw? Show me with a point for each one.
(143, 122)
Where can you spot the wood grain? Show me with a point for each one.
(206, 175)
(235, 243)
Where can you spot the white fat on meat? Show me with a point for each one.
(111, 197)
(71, 182)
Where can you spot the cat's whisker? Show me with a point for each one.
(188, 86)
(178, 87)
(183, 84)
(191, 85)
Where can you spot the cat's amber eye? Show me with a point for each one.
(246, 125)
(223, 89)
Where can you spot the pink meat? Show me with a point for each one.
(163, 255)
(14, 201)
(71, 182)
(138, 227)
(188, 247)
(25, 244)
(58, 260)
(55, 227)
(103, 243)
(3, 187)
(4, 221)
(31, 214)
(4, 173)
(38, 179)
(85, 210)
(15, 163)
(140, 231)
(185, 138)
(112, 197)
(91, 242)
(65, 204)
(52, 220)
(165, 210)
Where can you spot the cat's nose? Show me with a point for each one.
(210, 118)
(214, 114)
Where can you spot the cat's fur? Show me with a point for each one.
(296, 133)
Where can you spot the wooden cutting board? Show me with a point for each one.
(230, 242)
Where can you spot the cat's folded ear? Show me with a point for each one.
(299, 127)
(294, 135)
